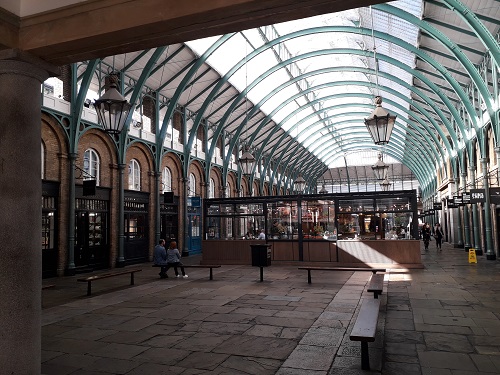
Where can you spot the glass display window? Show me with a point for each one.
(356, 205)
(393, 204)
(318, 220)
(283, 220)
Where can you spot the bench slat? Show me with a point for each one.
(89, 279)
(352, 269)
(105, 275)
(365, 327)
(376, 285)
(202, 266)
(374, 270)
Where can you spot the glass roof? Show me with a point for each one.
(322, 82)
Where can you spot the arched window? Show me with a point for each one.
(134, 175)
(167, 180)
(211, 189)
(43, 161)
(192, 185)
(91, 166)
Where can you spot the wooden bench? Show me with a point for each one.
(89, 279)
(211, 266)
(48, 286)
(352, 269)
(376, 285)
(365, 328)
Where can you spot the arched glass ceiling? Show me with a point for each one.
(321, 116)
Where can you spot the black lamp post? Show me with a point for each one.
(380, 123)
(112, 110)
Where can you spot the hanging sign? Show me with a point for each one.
(472, 255)
(451, 203)
(437, 206)
(466, 198)
(495, 195)
(477, 196)
(457, 199)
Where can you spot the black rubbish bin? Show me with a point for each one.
(261, 255)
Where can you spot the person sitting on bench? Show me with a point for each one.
(160, 258)
(174, 260)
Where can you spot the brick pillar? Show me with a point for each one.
(67, 82)
(149, 110)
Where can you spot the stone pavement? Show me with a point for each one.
(441, 320)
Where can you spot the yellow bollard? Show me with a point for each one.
(472, 255)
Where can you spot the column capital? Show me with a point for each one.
(19, 62)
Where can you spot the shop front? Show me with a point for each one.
(368, 228)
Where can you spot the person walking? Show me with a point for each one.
(160, 258)
(426, 235)
(174, 260)
(438, 236)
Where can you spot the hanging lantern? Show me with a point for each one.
(246, 162)
(385, 185)
(380, 123)
(380, 169)
(299, 184)
(112, 110)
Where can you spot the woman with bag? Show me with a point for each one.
(438, 236)
(426, 235)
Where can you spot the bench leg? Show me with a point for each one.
(89, 288)
(309, 276)
(131, 278)
(375, 295)
(261, 274)
(211, 275)
(365, 359)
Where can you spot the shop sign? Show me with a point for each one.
(495, 195)
(437, 206)
(451, 203)
(457, 199)
(477, 196)
(466, 198)
(194, 201)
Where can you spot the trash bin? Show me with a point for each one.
(261, 255)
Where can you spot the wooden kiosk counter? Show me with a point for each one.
(389, 253)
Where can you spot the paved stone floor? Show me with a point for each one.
(441, 320)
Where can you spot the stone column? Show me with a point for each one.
(467, 244)
(20, 211)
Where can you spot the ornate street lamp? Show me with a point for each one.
(323, 189)
(385, 185)
(299, 184)
(380, 168)
(380, 123)
(112, 110)
(246, 161)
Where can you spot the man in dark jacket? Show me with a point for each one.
(160, 258)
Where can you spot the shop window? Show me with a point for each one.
(211, 189)
(166, 180)
(91, 166)
(134, 175)
(192, 185)
(43, 160)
